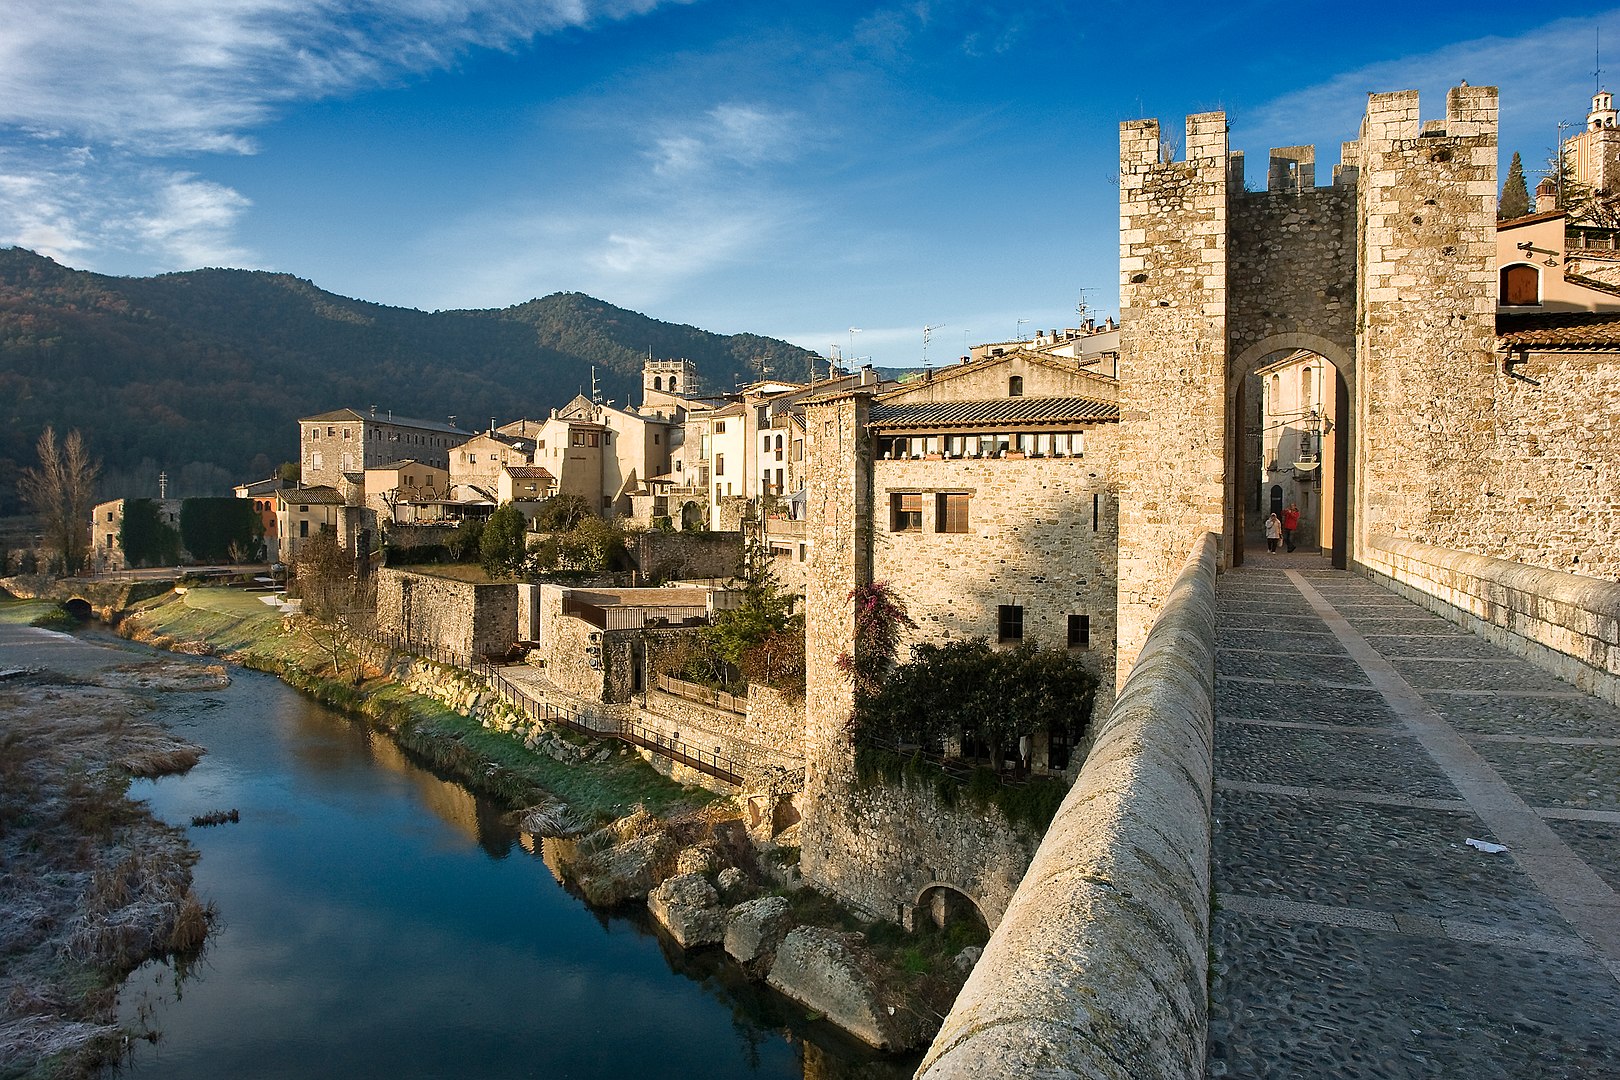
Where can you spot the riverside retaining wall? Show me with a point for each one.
(1565, 623)
(1098, 968)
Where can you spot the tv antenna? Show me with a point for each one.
(928, 332)
(1081, 308)
(596, 394)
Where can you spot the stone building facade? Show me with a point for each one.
(1391, 275)
(348, 442)
(463, 618)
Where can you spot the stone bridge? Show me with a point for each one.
(1306, 781)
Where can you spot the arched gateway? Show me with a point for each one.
(1387, 274)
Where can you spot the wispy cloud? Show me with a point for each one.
(1544, 75)
(727, 135)
(92, 94)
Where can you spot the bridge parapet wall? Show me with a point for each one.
(1565, 623)
(1098, 967)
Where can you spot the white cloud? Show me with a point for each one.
(727, 135)
(1543, 74)
(166, 76)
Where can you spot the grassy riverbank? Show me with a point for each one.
(236, 627)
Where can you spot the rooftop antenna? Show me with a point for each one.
(852, 332)
(928, 332)
(595, 393)
(1081, 308)
(1018, 332)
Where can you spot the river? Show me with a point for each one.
(380, 921)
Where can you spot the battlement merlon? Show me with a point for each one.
(1140, 145)
(1292, 169)
(1471, 112)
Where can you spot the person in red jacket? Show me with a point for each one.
(1290, 522)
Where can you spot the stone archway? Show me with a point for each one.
(1240, 409)
(80, 609)
(945, 907)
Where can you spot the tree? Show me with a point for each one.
(501, 547)
(561, 513)
(467, 541)
(1515, 200)
(62, 491)
(146, 538)
(289, 473)
(220, 529)
(881, 621)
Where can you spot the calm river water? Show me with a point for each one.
(378, 921)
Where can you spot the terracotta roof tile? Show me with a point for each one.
(1020, 410)
(1560, 330)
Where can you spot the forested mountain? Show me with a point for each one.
(202, 374)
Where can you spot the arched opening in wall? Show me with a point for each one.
(691, 516)
(79, 608)
(945, 910)
(1290, 423)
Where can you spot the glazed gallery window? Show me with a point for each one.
(951, 512)
(905, 511)
(1010, 622)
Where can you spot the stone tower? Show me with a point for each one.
(1172, 284)
(662, 380)
(1389, 274)
(839, 473)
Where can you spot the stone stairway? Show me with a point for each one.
(1360, 743)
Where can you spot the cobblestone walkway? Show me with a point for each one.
(1360, 743)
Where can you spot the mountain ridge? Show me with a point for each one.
(202, 373)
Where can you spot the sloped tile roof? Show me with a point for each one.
(1560, 330)
(528, 472)
(1002, 411)
(312, 495)
(346, 415)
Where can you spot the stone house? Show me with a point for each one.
(263, 494)
(107, 530)
(346, 442)
(393, 492)
(304, 512)
(475, 465)
(986, 501)
(524, 484)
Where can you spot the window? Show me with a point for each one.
(658, 384)
(345, 433)
(951, 512)
(719, 464)
(905, 511)
(1010, 622)
(779, 488)
(331, 431)
(655, 439)
(1015, 386)
(1096, 511)
(593, 438)
(719, 427)
(303, 527)
(1305, 396)
(578, 438)
(672, 384)
(1520, 285)
(1079, 631)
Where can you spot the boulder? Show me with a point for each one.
(730, 880)
(755, 929)
(688, 907)
(829, 973)
(964, 960)
(626, 871)
(697, 859)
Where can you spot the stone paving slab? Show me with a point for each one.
(1429, 673)
(1289, 639)
(1356, 935)
(1301, 667)
(1402, 860)
(1579, 777)
(1456, 645)
(1311, 1000)
(1389, 762)
(1596, 842)
(1512, 714)
(1322, 705)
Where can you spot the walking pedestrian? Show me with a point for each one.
(1290, 523)
(1273, 532)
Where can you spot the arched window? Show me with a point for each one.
(1015, 386)
(1305, 398)
(1520, 285)
(672, 384)
(1276, 389)
(658, 382)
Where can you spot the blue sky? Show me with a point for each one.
(789, 168)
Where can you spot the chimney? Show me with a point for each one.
(1546, 195)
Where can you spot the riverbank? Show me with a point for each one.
(91, 884)
(622, 832)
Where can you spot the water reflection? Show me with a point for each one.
(381, 921)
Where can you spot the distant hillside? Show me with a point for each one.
(202, 374)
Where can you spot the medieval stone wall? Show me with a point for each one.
(1292, 270)
(1031, 542)
(1173, 323)
(770, 734)
(686, 556)
(1427, 283)
(463, 617)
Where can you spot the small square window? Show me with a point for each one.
(951, 512)
(1079, 631)
(1010, 622)
(905, 511)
